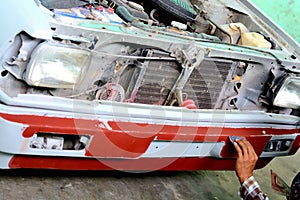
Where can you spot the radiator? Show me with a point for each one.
(204, 85)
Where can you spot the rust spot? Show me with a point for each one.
(118, 68)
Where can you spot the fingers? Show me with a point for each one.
(238, 149)
(246, 159)
(244, 144)
(245, 149)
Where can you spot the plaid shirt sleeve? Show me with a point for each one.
(250, 190)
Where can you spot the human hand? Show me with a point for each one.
(246, 159)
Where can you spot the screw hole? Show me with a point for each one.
(233, 102)
(293, 57)
(4, 73)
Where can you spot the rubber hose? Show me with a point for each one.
(125, 15)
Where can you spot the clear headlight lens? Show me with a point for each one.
(288, 95)
(56, 66)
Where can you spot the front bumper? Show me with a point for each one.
(126, 136)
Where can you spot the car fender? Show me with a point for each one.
(27, 16)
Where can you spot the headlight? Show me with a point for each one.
(56, 66)
(288, 96)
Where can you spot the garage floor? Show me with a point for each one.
(206, 185)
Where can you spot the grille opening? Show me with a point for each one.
(153, 83)
(52, 141)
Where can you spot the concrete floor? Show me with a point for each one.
(206, 185)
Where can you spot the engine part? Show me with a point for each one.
(182, 9)
(111, 92)
(234, 29)
(204, 15)
(189, 59)
(43, 142)
(202, 25)
(255, 40)
(179, 25)
(62, 4)
(133, 8)
(125, 14)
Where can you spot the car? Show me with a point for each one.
(144, 85)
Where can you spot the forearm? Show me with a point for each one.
(250, 190)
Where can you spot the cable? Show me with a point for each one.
(135, 57)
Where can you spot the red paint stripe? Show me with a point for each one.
(258, 143)
(144, 164)
(104, 143)
(130, 140)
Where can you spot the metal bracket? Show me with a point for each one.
(18, 64)
(88, 42)
(189, 59)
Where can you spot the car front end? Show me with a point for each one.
(95, 87)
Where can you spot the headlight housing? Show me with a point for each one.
(288, 95)
(57, 66)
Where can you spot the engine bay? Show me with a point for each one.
(216, 20)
